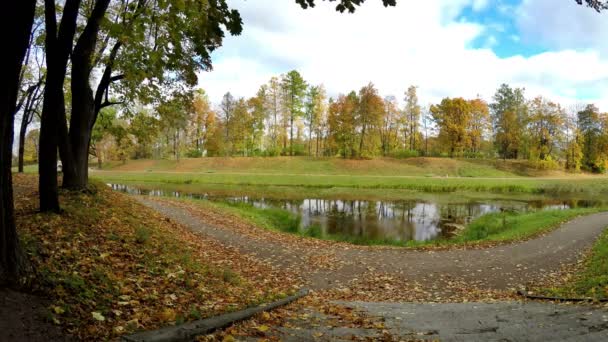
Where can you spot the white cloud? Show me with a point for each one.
(562, 26)
(419, 42)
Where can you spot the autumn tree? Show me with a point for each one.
(201, 120)
(546, 122)
(369, 119)
(412, 119)
(342, 121)
(453, 117)
(389, 128)
(479, 123)
(146, 46)
(273, 102)
(258, 115)
(315, 108)
(30, 146)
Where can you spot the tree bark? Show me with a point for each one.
(16, 20)
(58, 48)
(83, 103)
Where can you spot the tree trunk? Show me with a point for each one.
(16, 20)
(58, 49)
(84, 109)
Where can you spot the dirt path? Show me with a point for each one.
(327, 264)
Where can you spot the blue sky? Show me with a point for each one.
(553, 48)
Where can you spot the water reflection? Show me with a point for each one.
(395, 220)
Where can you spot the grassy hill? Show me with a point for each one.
(425, 167)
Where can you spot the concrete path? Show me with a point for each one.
(466, 322)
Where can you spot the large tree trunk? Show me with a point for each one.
(83, 103)
(52, 124)
(16, 20)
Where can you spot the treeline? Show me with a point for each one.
(289, 117)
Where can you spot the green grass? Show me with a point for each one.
(516, 226)
(587, 185)
(268, 218)
(592, 280)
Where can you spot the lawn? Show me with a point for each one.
(588, 185)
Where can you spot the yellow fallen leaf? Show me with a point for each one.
(263, 328)
(228, 338)
(98, 316)
(58, 310)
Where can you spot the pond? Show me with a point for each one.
(396, 220)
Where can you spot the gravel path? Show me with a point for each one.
(501, 267)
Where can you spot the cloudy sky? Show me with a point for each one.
(553, 48)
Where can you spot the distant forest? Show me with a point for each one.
(289, 117)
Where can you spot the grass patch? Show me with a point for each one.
(597, 185)
(592, 280)
(111, 266)
(268, 218)
(517, 226)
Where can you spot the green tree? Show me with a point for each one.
(294, 91)
(144, 127)
(350, 5)
(509, 117)
(590, 126)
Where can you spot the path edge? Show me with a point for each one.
(188, 331)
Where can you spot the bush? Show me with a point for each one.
(474, 155)
(403, 154)
(194, 153)
(546, 164)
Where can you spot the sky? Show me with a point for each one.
(447, 48)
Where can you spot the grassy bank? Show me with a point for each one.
(321, 183)
(591, 281)
(331, 166)
(518, 226)
(111, 266)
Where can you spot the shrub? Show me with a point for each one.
(403, 154)
(194, 153)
